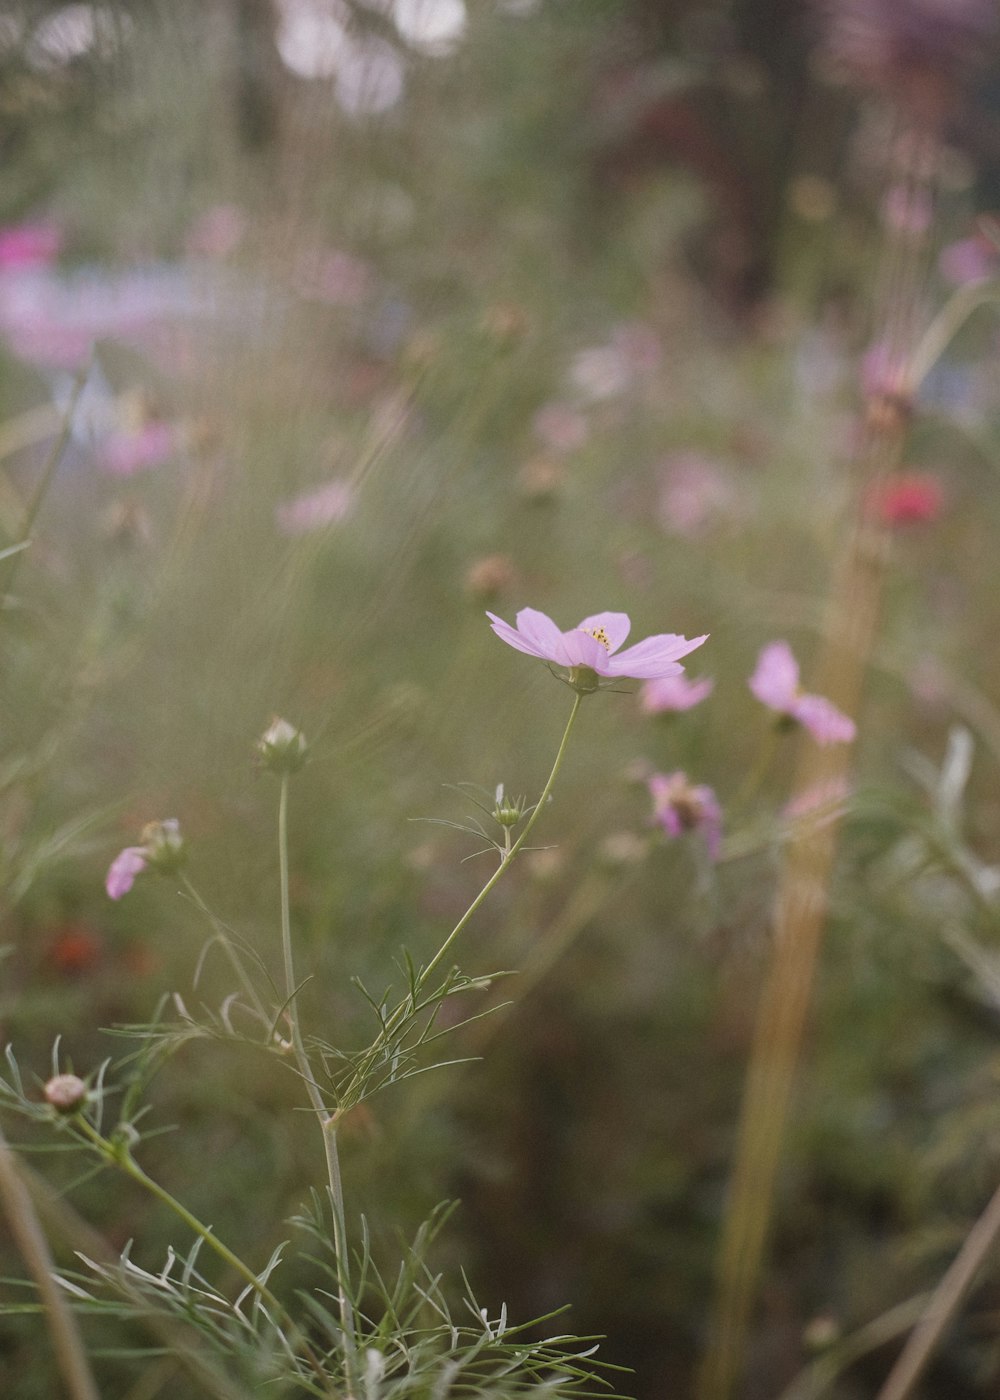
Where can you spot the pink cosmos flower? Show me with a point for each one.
(163, 850)
(678, 806)
(775, 682)
(561, 427)
(592, 645)
(124, 868)
(671, 694)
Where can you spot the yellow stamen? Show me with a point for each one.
(599, 635)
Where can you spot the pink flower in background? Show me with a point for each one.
(593, 644)
(29, 245)
(326, 505)
(775, 682)
(883, 372)
(969, 260)
(640, 345)
(671, 694)
(907, 498)
(333, 276)
(905, 211)
(694, 491)
(678, 806)
(124, 454)
(561, 427)
(217, 232)
(164, 850)
(821, 802)
(125, 867)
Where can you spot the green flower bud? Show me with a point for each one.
(281, 748)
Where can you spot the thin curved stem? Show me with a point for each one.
(327, 1121)
(508, 855)
(226, 943)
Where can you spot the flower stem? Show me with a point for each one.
(26, 1230)
(508, 855)
(123, 1159)
(222, 935)
(327, 1121)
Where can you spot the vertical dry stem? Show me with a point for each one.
(803, 893)
(30, 1239)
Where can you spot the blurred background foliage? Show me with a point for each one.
(396, 311)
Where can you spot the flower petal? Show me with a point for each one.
(656, 656)
(126, 865)
(825, 722)
(669, 694)
(512, 637)
(581, 649)
(615, 626)
(540, 630)
(776, 678)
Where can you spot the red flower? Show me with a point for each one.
(75, 949)
(908, 498)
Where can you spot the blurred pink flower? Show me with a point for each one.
(29, 245)
(640, 345)
(673, 693)
(326, 505)
(678, 806)
(822, 802)
(969, 260)
(592, 644)
(883, 372)
(775, 683)
(164, 850)
(693, 492)
(125, 453)
(600, 372)
(907, 498)
(907, 211)
(127, 864)
(333, 276)
(217, 232)
(561, 427)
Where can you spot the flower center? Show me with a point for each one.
(599, 635)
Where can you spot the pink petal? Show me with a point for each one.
(615, 627)
(655, 657)
(540, 630)
(126, 865)
(776, 679)
(513, 638)
(581, 649)
(825, 722)
(673, 694)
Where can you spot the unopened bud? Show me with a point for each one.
(163, 845)
(66, 1093)
(282, 747)
(508, 811)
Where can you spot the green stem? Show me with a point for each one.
(222, 936)
(508, 855)
(327, 1121)
(945, 326)
(49, 469)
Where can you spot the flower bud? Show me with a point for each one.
(163, 846)
(281, 748)
(507, 811)
(66, 1093)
